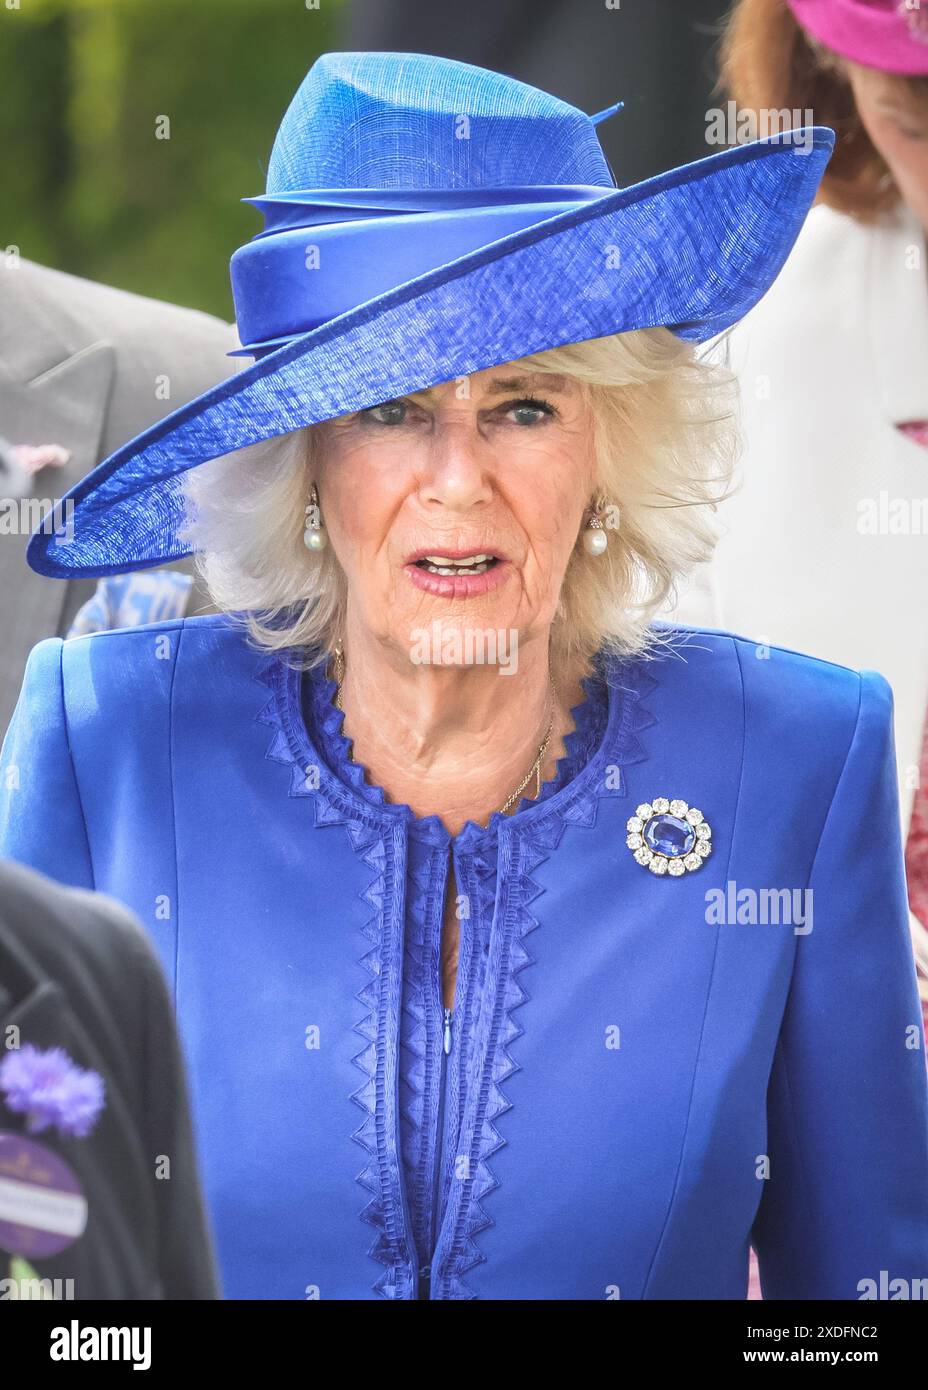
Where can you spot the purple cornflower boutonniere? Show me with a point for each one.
(50, 1089)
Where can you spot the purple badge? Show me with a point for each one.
(42, 1205)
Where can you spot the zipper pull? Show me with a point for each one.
(447, 1037)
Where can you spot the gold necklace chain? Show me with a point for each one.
(534, 770)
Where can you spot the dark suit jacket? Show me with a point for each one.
(77, 971)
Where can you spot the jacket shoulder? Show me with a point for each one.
(780, 694)
(131, 671)
(202, 632)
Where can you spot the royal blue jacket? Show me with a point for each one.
(646, 1074)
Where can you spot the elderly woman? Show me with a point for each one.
(396, 816)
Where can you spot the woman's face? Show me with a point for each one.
(496, 464)
(898, 127)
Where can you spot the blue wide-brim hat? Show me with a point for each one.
(425, 219)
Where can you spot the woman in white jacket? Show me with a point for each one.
(826, 541)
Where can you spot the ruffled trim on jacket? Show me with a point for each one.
(605, 736)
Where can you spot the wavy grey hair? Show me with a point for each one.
(666, 440)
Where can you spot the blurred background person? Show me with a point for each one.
(92, 1091)
(84, 367)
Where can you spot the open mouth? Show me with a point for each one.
(470, 564)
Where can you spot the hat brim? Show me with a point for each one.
(692, 249)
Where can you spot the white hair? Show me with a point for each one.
(666, 439)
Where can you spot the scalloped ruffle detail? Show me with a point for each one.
(589, 716)
(419, 1080)
(536, 839)
(396, 1006)
(380, 1177)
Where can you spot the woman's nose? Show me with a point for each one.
(456, 470)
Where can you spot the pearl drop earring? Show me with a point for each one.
(595, 539)
(315, 537)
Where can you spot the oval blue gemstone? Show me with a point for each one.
(669, 835)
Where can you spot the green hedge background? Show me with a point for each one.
(87, 187)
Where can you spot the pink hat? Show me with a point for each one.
(891, 35)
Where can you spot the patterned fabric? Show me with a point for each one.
(127, 600)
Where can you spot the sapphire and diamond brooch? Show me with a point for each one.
(669, 837)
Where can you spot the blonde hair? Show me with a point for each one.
(665, 442)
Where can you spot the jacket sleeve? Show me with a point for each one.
(41, 818)
(847, 1105)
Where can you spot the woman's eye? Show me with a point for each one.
(910, 132)
(389, 413)
(530, 411)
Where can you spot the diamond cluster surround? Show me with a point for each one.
(669, 837)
